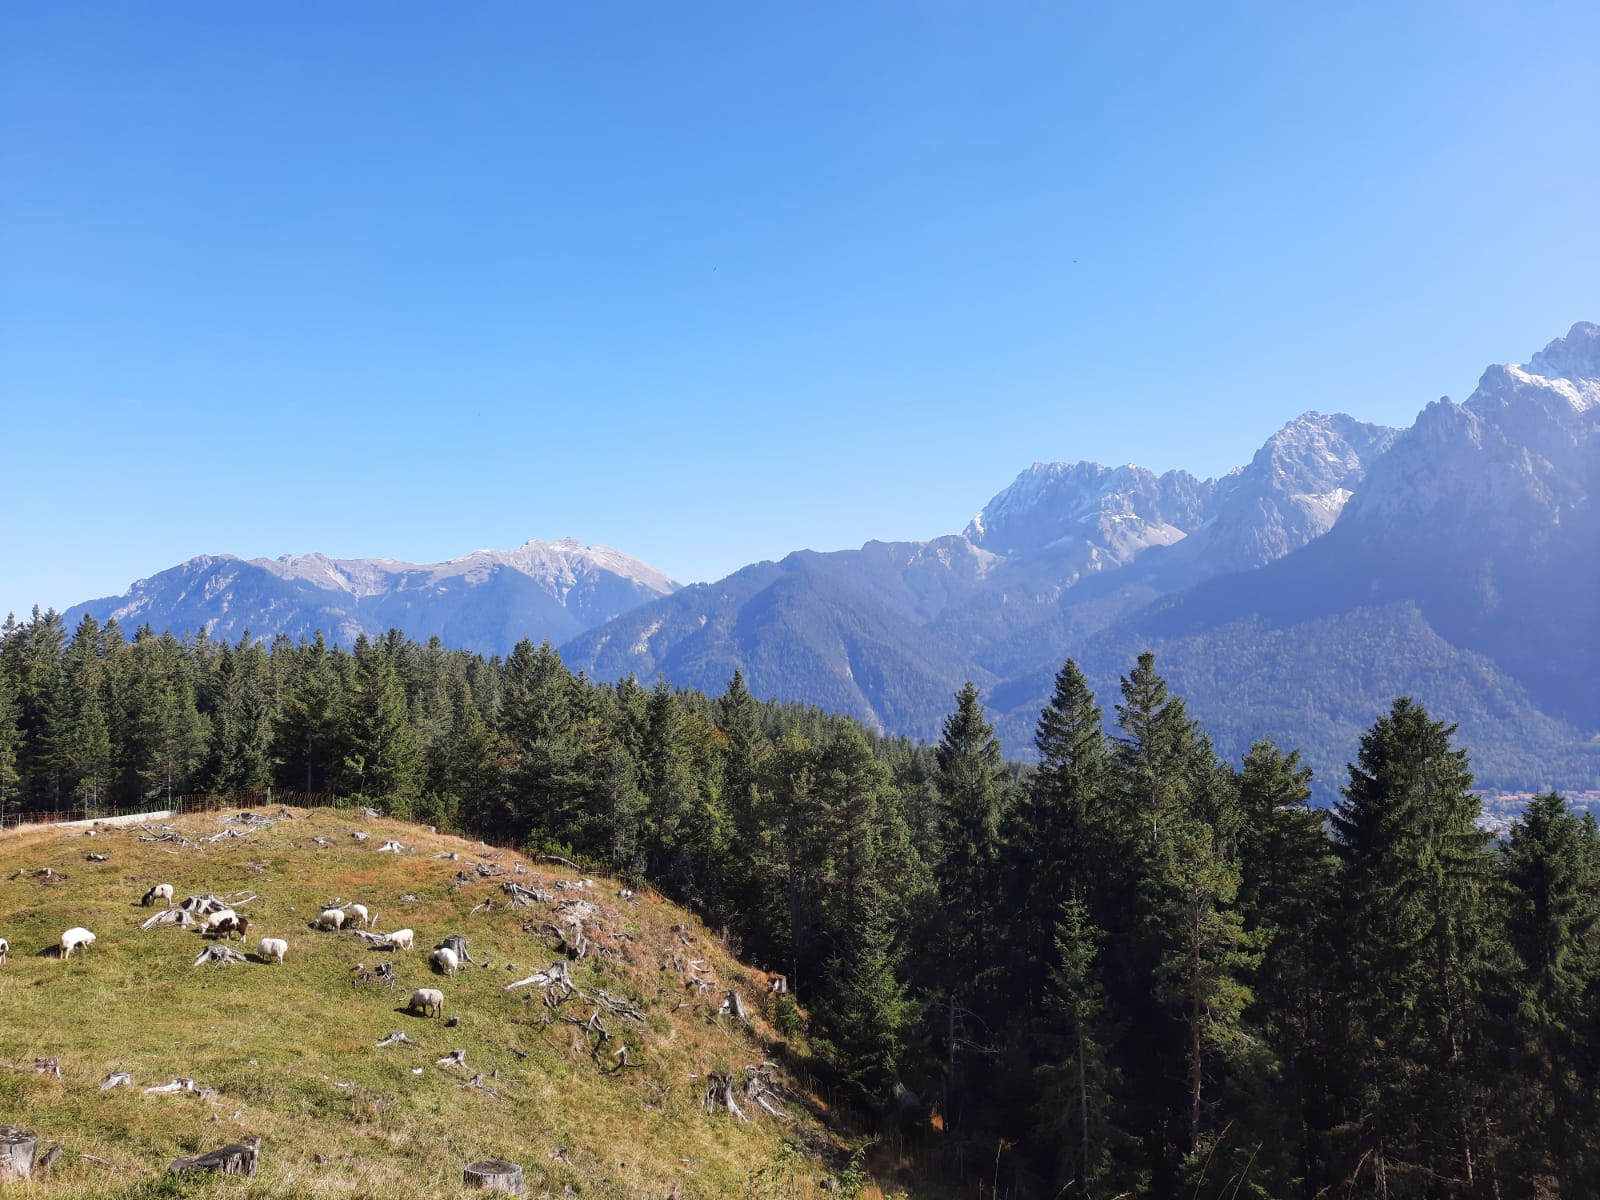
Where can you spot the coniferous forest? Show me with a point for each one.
(1132, 969)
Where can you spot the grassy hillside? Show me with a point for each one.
(291, 1049)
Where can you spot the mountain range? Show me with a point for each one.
(1294, 597)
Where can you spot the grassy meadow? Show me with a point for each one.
(291, 1049)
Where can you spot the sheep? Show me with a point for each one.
(359, 912)
(273, 948)
(73, 938)
(214, 922)
(458, 944)
(402, 939)
(426, 998)
(5, 948)
(444, 961)
(331, 918)
(160, 891)
(229, 926)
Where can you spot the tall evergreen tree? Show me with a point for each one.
(1075, 1072)
(1552, 861)
(1413, 935)
(1064, 848)
(972, 793)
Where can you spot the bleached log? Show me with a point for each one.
(97, 858)
(171, 1089)
(555, 975)
(397, 1038)
(236, 1158)
(17, 1149)
(494, 1175)
(116, 1079)
(456, 1058)
(391, 847)
(523, 896)
(360, 836)
(181, 917)
(371, 813)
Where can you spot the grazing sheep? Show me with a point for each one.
(214, 921)
(273, 948)
(458, 944)
(331, 918)
(161, 891)
(73, 938)
(359, 912)
(402, 939)
(424, 999)
(5, 948)
(444, 961)
(229, 926)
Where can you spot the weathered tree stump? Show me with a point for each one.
(17, 1148)
(493, 1174)
(236, 1158)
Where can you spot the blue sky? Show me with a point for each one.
(713, 282)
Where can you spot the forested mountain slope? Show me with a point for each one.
(483, 601)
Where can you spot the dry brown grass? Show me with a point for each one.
(290, 1049)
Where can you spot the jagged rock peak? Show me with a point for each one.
(1123, 509)
(1575, 357)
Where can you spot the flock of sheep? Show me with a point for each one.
(217, 920)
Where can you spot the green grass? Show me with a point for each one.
(291, 1048)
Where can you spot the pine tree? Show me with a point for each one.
(1160, 754)
(1075, 1076)
(1206, 958)
(1286, 892)
(866, 1010)
(1552, 861)
(1413, 938)
(972, 793)
(1064, 848)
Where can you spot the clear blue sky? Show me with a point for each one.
(713, 282)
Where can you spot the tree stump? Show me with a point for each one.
(236, 1158)
(494, 1174)
(17, 1148)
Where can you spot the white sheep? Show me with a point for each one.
(426, 998)
(5, 948)
(359, 912)
(331, 918)
(273, 948)
(213, 920)
(402, 939)
(73, 938)
(160, 891)
(444, 961)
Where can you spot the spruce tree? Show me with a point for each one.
(1075, 1076)
(1064, 849)
(1413, 934)
(1552, 866)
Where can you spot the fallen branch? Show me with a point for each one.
(397, 1038)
